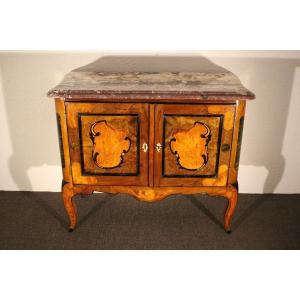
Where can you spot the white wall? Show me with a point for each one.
(29, 154)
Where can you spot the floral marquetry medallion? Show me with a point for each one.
(190, 146)
(110, 145)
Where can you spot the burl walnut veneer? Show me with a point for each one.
(150, 134)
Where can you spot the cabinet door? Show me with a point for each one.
(108, 143)
(193, 144)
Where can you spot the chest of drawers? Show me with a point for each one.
(150, 134)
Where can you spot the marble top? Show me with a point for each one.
(97, 79)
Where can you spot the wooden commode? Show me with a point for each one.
(151, 133)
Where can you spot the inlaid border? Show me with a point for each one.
(84, 173)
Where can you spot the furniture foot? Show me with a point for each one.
(67, 195)
(231, 195)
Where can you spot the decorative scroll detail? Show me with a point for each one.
(109, 145)
(190, 146)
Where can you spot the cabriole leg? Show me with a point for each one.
(231, 195)
(67, 195)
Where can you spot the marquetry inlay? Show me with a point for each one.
(109, 145)
(190, 146)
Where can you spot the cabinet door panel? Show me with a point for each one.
(196, 142)
(106, 143)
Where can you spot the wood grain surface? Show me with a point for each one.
(190, 146)
(61, 112)
(109, 144)
(131, 119)
(175, 118)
